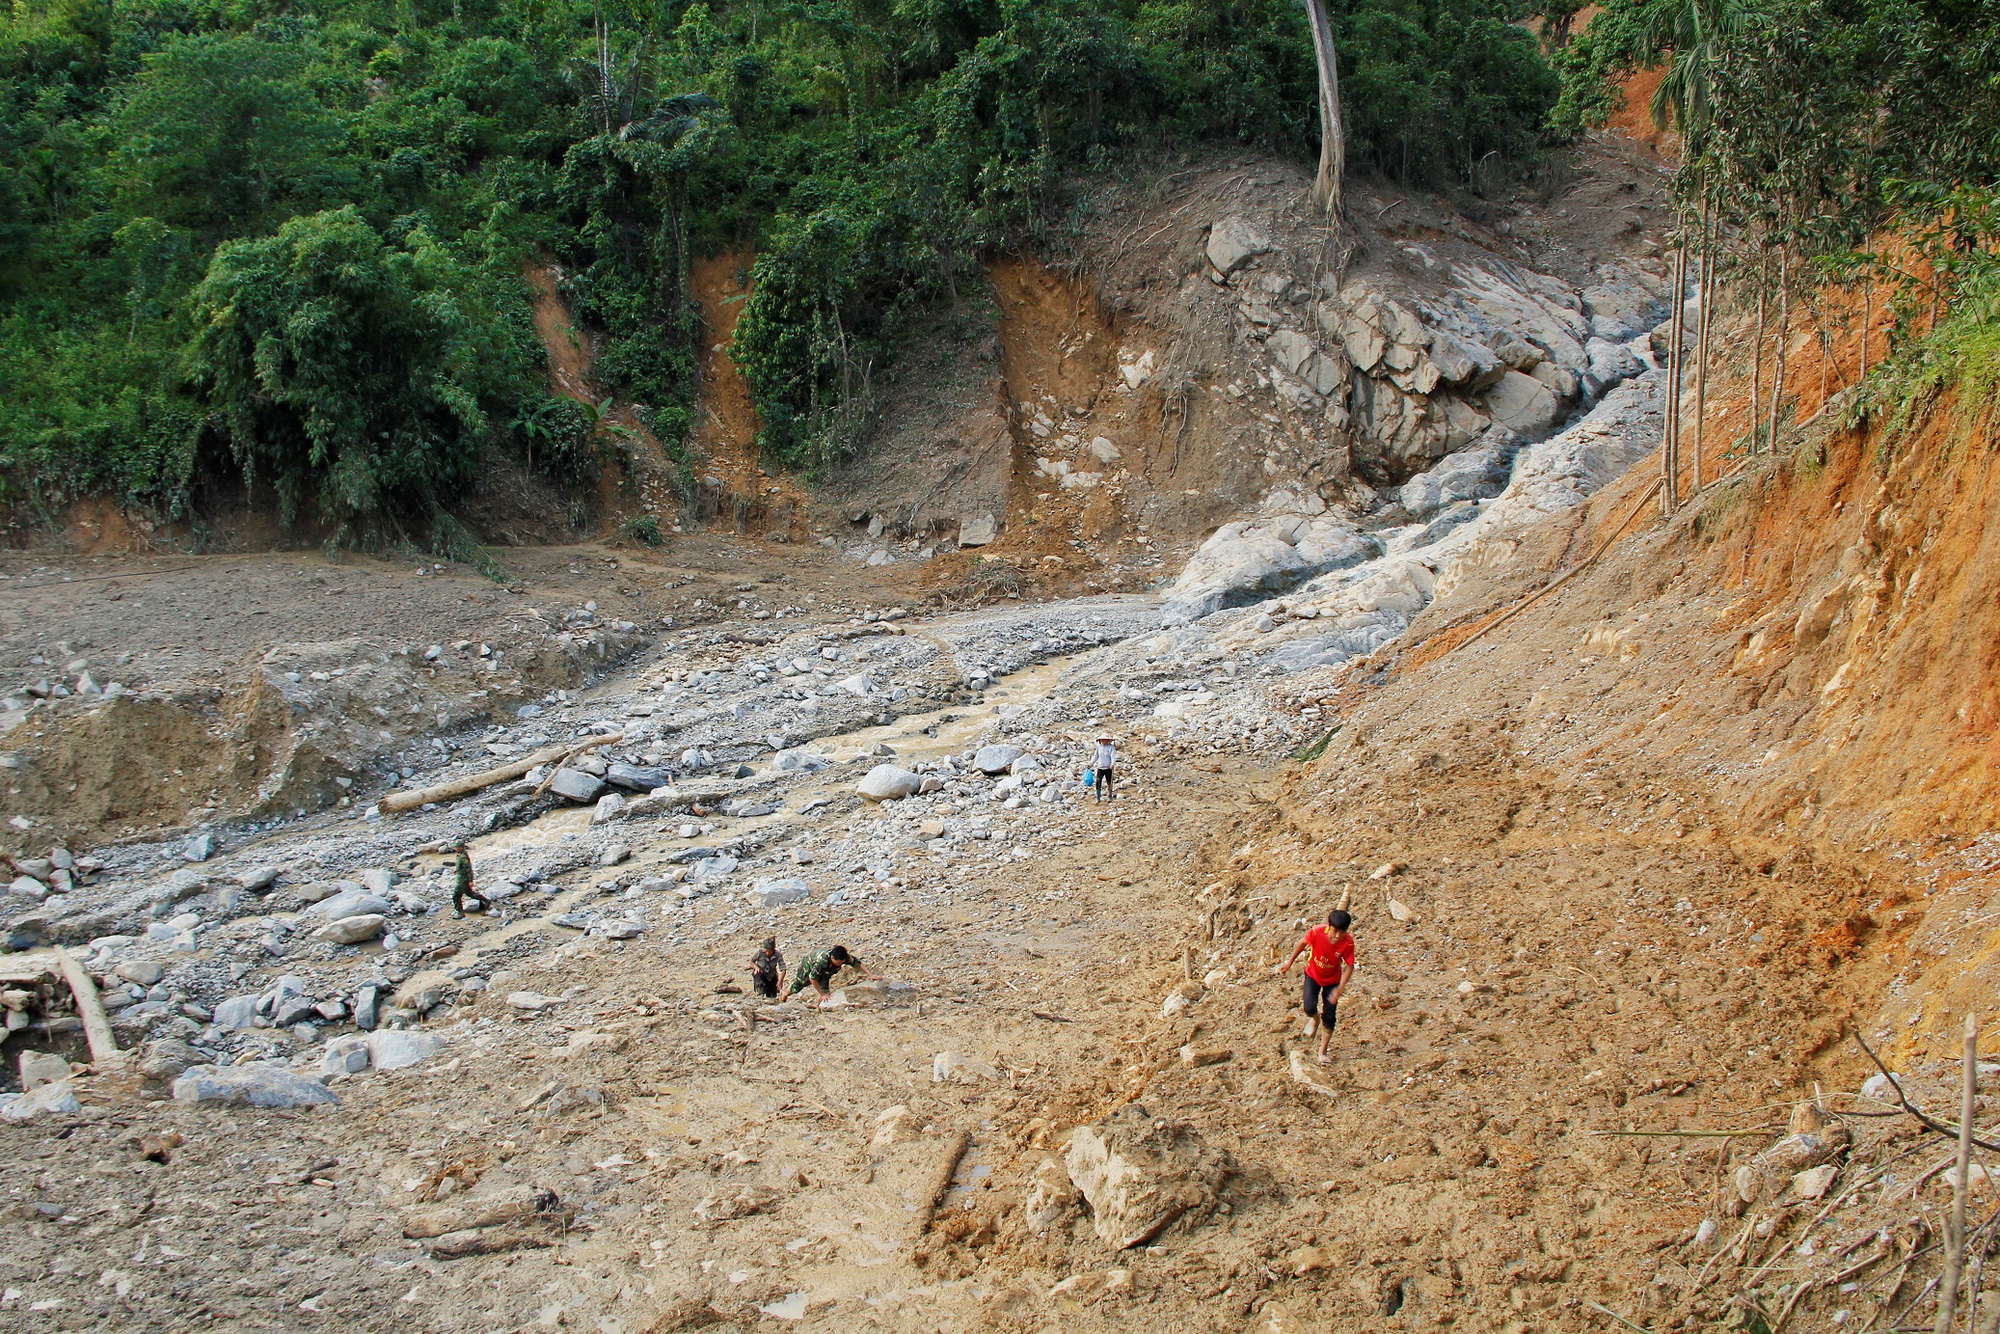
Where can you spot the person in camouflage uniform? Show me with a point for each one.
(818, 968)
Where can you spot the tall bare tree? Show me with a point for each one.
(1332, 135)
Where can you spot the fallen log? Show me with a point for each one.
(104, 1053)
(939, 1184)
(460, 787)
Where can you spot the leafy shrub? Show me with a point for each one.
(348, 373)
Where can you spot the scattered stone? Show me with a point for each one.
(1879, 1087)
(41, 1067)
(740, 1203)
(1196, 1057)
(1811, 1142)
(257, 1084)
(707, 870)
(143, 971)
(347, 1055)
(777, 892)
(392, 1049)
(950, 1067)
(1812, 1183)
(978, 531)
(366, 1001)
(50, 1099)
(1182, 996)
(1051, 1197)
(532, 1002)
(198, 848)
(164, 1060)
(258, 880)
(377, 881)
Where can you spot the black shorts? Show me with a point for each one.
(1318, 995)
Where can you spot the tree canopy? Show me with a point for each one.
(283, 242)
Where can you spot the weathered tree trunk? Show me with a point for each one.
(1705, 321)
(1670, 462)
(1784, 332)
(1757, 355)
(1332, 134)
(1867, 316)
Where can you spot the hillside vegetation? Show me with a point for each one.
(282, 244)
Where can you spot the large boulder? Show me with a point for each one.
(575, 785)
(996, 758)
(1465, 365)
(1470, 475)
(1140, 1176)
(1244, 561)
(48, 1099)
(1395, 432)
(236, 1012)
(350, 905)
(258, 1084)
(1524, 404)
(352, 930)
(978, 531)
(886, 782)
(1618, 309)
(392, 1049)
(637, 777)
(1234, 242)
(1610, 364)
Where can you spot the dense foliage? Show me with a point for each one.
(284, 241)
(1855, 142)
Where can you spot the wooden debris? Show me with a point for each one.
(934, 1191)
(485, 778)
(104, 1053)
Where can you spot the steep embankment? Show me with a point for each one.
(1202, 346)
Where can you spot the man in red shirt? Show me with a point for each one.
(1330, 963)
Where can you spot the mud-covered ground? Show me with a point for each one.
(603, 1133)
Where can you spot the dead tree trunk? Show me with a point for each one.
(1784, 332)
(1704, 321)
(1757, 355)
(1332, 135)
(1670, 462)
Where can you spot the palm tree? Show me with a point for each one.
(1695, 33)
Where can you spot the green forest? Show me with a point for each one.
(281, 243)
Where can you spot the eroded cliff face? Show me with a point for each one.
(1203, 348)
